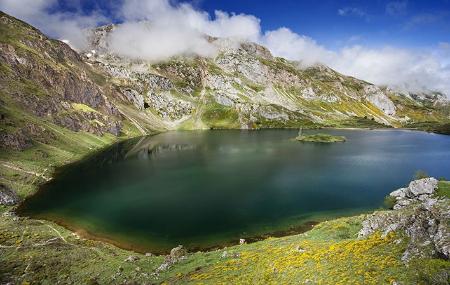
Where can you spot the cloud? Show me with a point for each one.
(285, 43)
(157, 30)
(401, 69)
(396, 8)
(68, 26)
(352, 11)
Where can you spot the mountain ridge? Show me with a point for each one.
(245, 72)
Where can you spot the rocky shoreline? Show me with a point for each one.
(420, 215)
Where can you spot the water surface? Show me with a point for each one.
(209, 188)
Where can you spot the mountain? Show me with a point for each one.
(244, 86)
(44, 82)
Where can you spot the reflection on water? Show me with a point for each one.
(209, 188)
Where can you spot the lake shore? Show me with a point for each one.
(41, 235)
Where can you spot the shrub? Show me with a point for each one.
(389, 202)
(420, 174)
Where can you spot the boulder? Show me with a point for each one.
(7, 196)
(178, 252)
(419, 190)
(422, 186)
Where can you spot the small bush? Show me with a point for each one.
(389, 202)
(420, 174)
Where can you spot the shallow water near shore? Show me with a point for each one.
(205, 189)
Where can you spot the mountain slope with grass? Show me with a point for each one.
(244, 86)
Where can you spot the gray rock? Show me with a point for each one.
(399, 193)
(423, 186)
(178, 252)
(8, 196)
(417, 191)
(132, 258)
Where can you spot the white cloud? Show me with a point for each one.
(69, 26)
(157, 30)
(285, 43)
(399, 68)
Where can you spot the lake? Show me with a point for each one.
(207, 189)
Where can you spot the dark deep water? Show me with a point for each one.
(209, 188)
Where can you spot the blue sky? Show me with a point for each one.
(335, 23)
(404, 44)
(330, 23)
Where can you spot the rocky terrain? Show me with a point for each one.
(422, 215)
(244, 86)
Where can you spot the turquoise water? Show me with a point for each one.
(210, 188)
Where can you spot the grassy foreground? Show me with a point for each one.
(34, 251)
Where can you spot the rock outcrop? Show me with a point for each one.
(46, 79)
(418, 190)
(176, 254)
(420, 215)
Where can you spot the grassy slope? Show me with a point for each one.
(329, 254)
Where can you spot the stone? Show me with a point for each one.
(132, 258)
(399, 193)
(178, 252)
(7, 196)
(423, 186)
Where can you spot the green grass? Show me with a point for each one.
(83, 108)
(217, 116)
(443, 190)
(321, 138)
(328, 254)
(389, 202)
(430, 126)
(359, 122)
